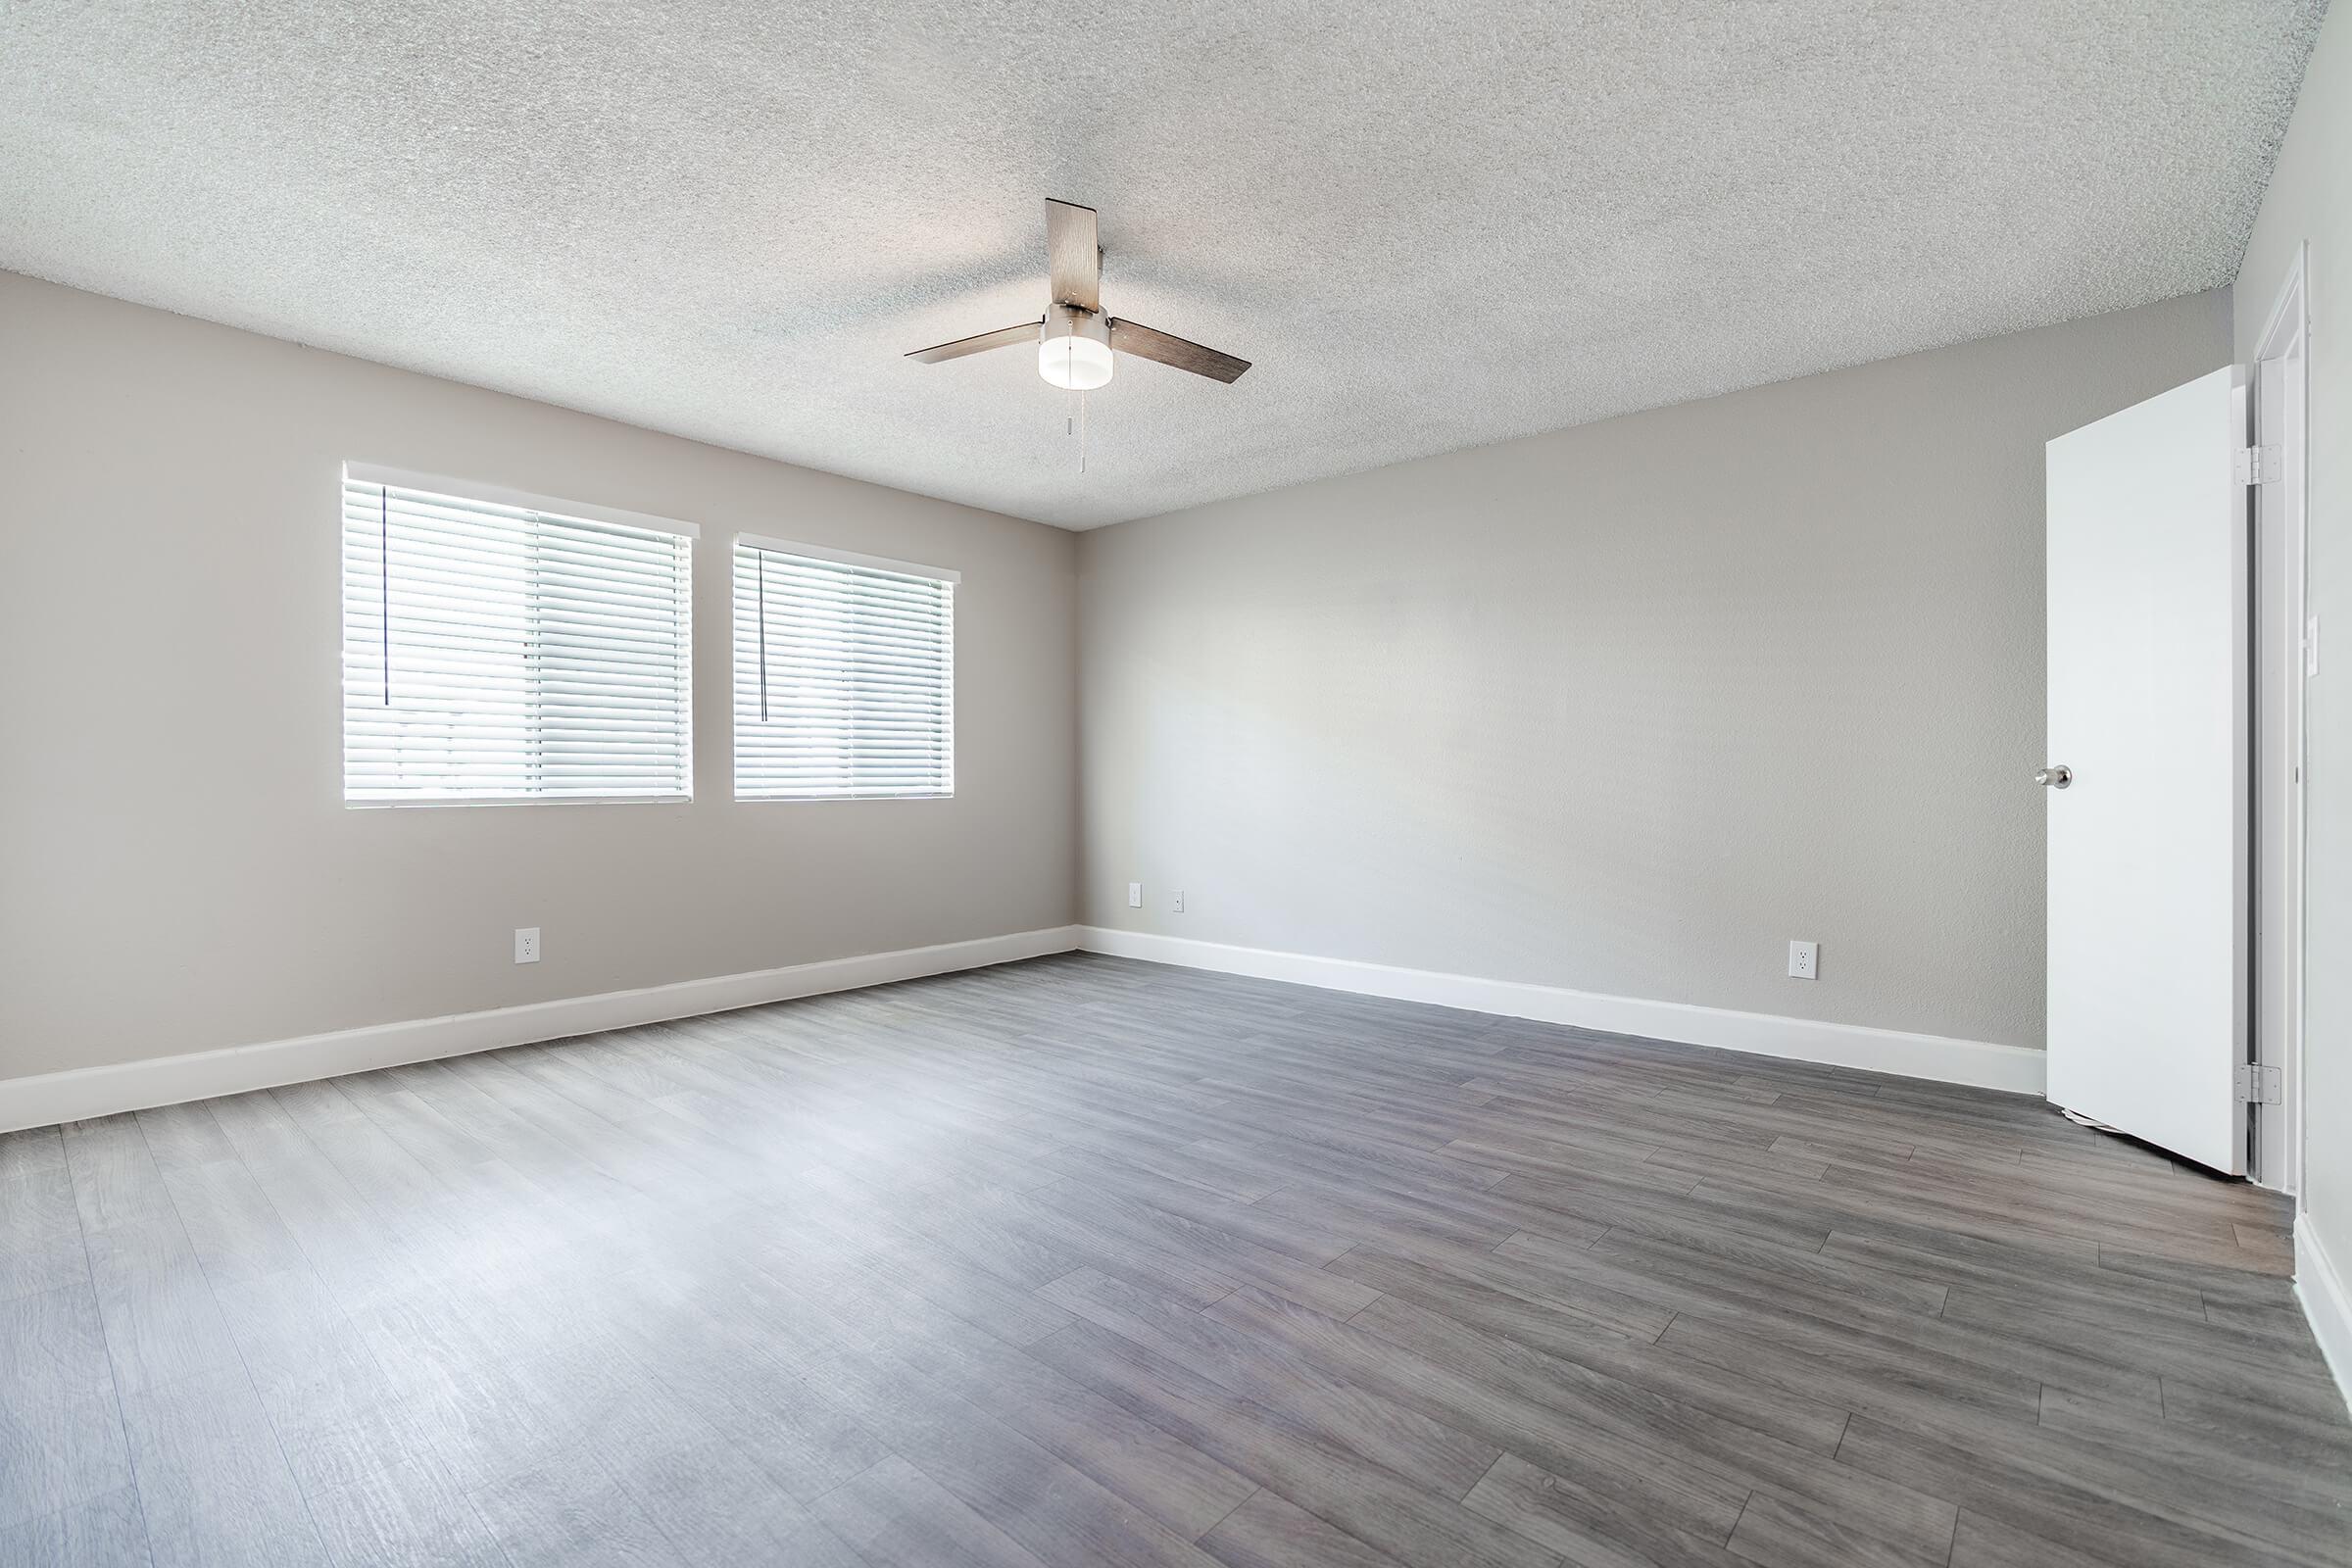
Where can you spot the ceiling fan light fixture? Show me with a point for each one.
(1073, 350)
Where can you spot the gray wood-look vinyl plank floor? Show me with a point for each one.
(1086, 1262)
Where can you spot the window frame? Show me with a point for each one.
(773, 544)
(376, 473)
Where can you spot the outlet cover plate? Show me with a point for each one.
(1804, 961)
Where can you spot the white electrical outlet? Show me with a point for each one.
(1804, 961)
(526, 944)
(2311, 646)
(1134, 895)
(1180, 901)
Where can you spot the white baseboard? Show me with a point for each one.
(2327, 1304)
(62, 1097)
(1976, 1062)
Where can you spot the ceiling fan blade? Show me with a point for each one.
(1073, 255)
(1003, 337)
(1127, 337)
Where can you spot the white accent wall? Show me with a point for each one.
(1625, 709)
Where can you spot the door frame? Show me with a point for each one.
(2282, 380)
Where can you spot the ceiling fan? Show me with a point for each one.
(1075, 340)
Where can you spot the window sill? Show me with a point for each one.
(350, 805)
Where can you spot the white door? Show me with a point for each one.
(2148, 544)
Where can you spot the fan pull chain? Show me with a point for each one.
(1082, 396)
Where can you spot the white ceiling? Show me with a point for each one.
(1430, 225)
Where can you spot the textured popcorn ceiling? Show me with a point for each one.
(1430, 225)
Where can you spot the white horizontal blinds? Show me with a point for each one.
(495, 651)
(845, 678)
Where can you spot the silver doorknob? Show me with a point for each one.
(2056, 776)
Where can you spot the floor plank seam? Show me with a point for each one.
(114, 1381)
(1228, 1513)
(1738, 1519)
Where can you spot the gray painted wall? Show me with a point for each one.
(177, 870)
(2311, 199)
(1626, 708)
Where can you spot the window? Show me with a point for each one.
(844, 675)
(498, 648)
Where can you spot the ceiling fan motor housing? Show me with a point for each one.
(1073, 349)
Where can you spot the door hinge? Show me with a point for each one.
(2258, 1086)
(2256, 465)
